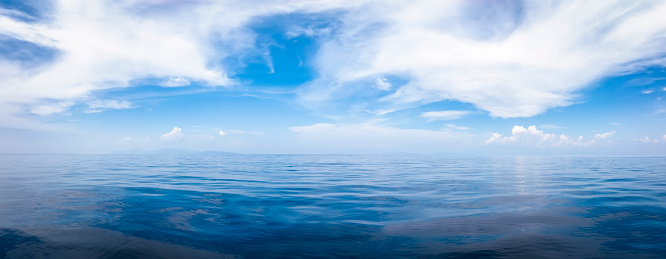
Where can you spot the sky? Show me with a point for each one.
(334, 76)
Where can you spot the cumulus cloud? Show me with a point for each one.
(604, 135)
(222, 133)
(510, 58)
(175, 134)
(445, 115)
(383, 84)
(532, 136)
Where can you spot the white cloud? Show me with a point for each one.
(445, 115)
(175, 82)
(520, 59)
(175, 134)
(48, 109)
(604, 135)
(384, 111)
(647, 91)
(383, 84)
(456, 127)
(532, 136)
(98, 105)
(647, 140)
(222, 133)
(109, 44)
(109, 104)
(663, 137)
(94, 106)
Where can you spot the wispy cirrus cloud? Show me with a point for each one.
(99, 105)
(510, 58)
(51, 108)
(445, 115)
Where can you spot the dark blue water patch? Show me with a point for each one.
(330, 206)
(11, 239)
(611, 199)
(621, 179)
(91, 242)
(635, 229)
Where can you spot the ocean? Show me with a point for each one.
(331, 206)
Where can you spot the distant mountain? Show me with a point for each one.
(171, 151)
(217, 153)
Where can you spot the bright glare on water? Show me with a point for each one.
(301, 206)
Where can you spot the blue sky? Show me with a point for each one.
(471, 77)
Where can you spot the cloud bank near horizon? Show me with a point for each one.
(534, 137)
(376, 137)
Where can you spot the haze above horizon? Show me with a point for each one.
(463, 77)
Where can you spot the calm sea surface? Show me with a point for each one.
(302, 206)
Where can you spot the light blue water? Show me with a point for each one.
(301, 206)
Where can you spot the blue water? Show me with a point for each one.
(303, 206)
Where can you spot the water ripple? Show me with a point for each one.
(257, 206)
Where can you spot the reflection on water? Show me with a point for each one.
(90, 242)
(257, 206)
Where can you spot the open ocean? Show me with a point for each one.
(304, 206)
